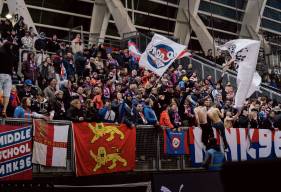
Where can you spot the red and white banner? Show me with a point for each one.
(50, 144)
(103, 148)
(15, 153)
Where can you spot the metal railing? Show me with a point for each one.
(150, 154)
(204, 67)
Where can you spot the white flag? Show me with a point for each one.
(245, 52)
(159, 54)
(50, 144)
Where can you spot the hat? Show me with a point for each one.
(185, 78)
(28, 82)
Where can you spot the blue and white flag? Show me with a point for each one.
(245, 52)
(175, 142)
(160, 53)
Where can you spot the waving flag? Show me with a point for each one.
(175, 142)
(133, 50)
(160, 53)
(184, 53)
(245, 52)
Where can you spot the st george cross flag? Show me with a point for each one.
(160, 53)
(50, 144)
(245, 52)
(175, 142)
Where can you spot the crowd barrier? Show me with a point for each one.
(149, 150)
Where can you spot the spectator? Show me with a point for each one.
(165, 118)
(47, 71)
(24, 111)
(98, 98)
(77, 44)
(49, 91)
(75, 112)
(214, 157)
(138, 115)
(149, 113)
(80, 63)
(14, 101)
(41, 105)
(30, 69)
(58, 107)
(243, 120)
(41, 42)
(53, 45)
(106, 114)
(27, 41)
(174, 115)
(27, 90)
(91, 112)
(8, 63)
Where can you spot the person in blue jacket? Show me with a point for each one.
(214, 157)
(149, 113)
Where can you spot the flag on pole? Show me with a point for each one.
(245, 52)
(160, 53)
(184, 53)
(50, 144)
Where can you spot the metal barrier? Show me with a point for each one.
(150, 154)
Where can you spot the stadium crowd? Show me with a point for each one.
(92, 84)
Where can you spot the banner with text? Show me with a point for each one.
(244, 144)
(103, 148)
(15, 153)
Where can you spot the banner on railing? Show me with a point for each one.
(50, 144)
(103, 148)
(244, 144)
(175, 142)
(15, 153)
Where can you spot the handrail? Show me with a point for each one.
(219, 67)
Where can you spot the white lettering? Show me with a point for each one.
(15, 166)
(251, 151)
(277, 143)
(265, 141)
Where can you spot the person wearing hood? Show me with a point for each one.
(8, 63)
(41, 42)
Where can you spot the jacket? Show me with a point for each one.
(73, 114)
(8, 60)
(30, 70)
(165, 119)
(150, 115)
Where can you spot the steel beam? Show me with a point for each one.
(122, 20)
(188, 20)
(18, 8)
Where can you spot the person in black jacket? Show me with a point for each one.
(243, 120)
(75, 112)
(58, 106)
(53, 45)
(80, 62)
(7, 64)
(41, 42)
(91, 111)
